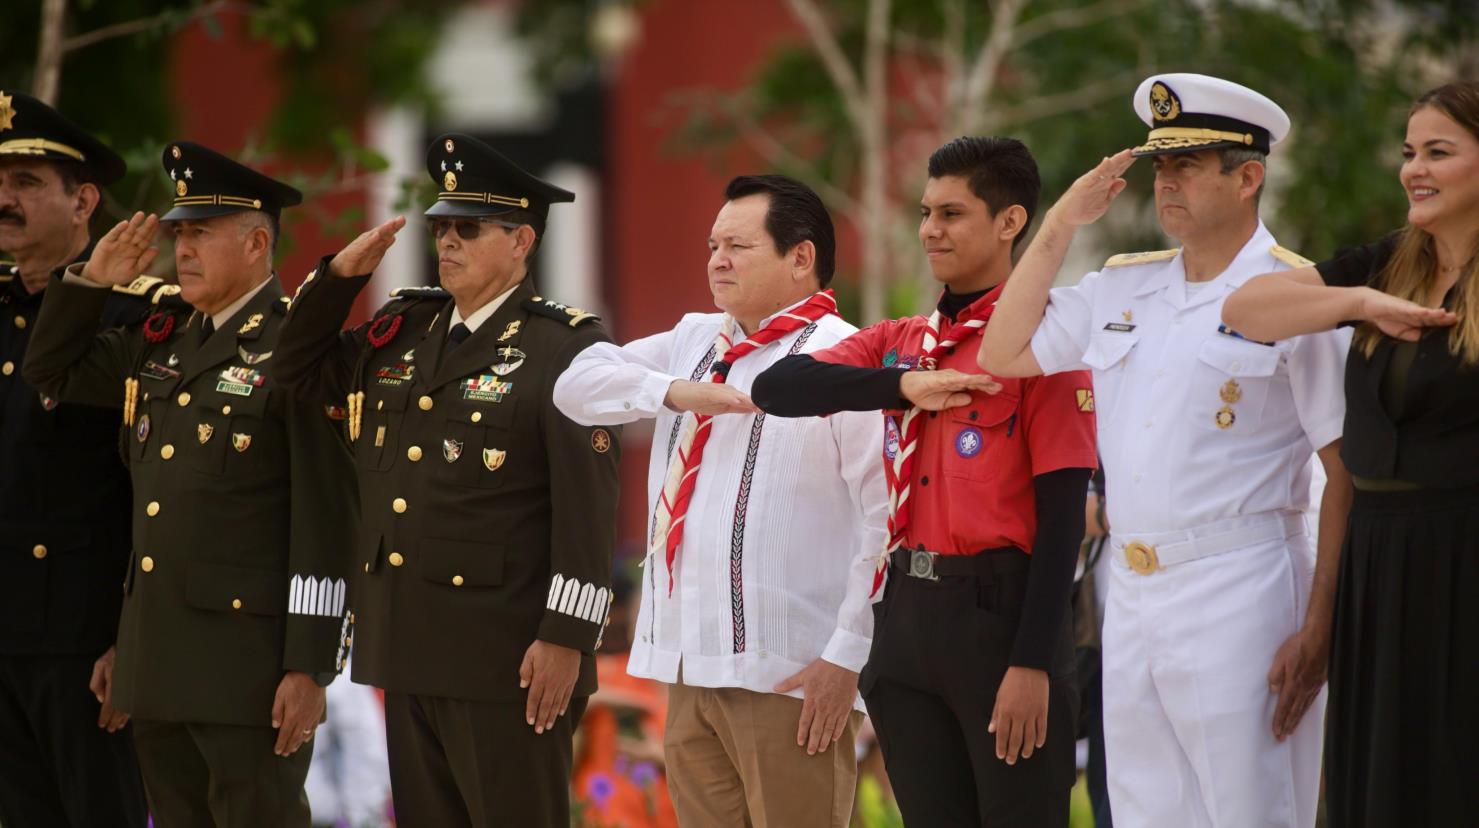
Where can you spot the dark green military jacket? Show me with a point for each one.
(64, 496)
(489, 517)
(244, 507)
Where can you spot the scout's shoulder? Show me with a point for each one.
(1147, 257)
(559, 311)
(1286, 256)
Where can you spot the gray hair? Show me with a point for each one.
(1235, 157)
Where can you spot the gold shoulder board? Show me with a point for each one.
(1289, 257)
(1141, 258)
(140, 286)
(558, 310)
(419, 293)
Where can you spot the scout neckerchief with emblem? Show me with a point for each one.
(682, 476)
(899, 471)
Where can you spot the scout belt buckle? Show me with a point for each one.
(1141, 557)
(922, 564)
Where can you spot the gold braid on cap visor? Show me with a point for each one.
(38, 146)
(483, 198)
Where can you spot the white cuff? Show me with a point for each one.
(847, 649)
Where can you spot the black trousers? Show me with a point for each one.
(226, 776)
(58, 769)
(940, 650)
(469, 764)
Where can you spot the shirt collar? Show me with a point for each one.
(481, 315)
(1172, 274)
(221, 317)
(787, 309)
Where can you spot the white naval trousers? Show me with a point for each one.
(1188, 715)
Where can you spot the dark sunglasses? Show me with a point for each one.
(467, 229)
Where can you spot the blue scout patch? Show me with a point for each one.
(968, 442)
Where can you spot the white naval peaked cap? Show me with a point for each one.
(1187, 112)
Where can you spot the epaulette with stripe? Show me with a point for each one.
(427, 292)
(558, 310)
(140, 286)
(1141, 258)
(168, 296)
(1289, 257)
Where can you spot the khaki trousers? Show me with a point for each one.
(732, 760)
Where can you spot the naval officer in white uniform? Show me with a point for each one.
(1217, 629)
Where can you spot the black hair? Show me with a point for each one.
(533, 218)
(999, 171)
(795, 214)
(73, 175)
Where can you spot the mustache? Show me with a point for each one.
(12, 215)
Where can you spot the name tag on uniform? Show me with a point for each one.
(486, 388)
(395, 374)
(1223, 329)
(1119, 327)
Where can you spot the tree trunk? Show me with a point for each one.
(49, 52)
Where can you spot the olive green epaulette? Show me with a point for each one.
(559, 311)
(1289, 257)
(1140, 258)
(428, 292)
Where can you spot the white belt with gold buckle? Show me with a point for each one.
(1147, 554)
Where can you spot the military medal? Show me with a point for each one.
(240, 441)
(395, 374)
(451, 450)
(155, 371)
(485, 388)
(1230, 392)
(250, 358)
(1225, 417)
(203, 432)
(240, 381)
(492, 458)
(512, 359)
(143, 430)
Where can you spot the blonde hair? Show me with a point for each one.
(1413, 267)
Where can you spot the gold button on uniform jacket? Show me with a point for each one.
(243, 512)
(488, 517)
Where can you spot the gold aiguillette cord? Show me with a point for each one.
(130, 400)
(356, 413)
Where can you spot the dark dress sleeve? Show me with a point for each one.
(1357, 266)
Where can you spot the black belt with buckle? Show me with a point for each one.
(932, 566)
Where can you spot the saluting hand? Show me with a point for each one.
(1400, 318)
(827, 692)
(948, 388)
(1296, 677)
(126, 251)
(708, 398)
(296, 711)
(1020, 718)
(549, 672)
(1087, 200)
(101, 686)
(363, 254)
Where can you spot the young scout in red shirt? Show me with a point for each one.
(970, 679)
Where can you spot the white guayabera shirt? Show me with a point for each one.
(784, 528)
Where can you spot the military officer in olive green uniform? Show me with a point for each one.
(484, 564)
(66, 756)
(244, 513)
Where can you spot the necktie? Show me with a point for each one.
(207, 329)
(677, 491)
(898, 472)
(457, 335)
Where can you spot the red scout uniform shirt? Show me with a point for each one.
(984, 454)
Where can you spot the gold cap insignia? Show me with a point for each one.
(450, 146)
(7, 112)
(180, 188)
(203, 432)
(449, 181)
(1164, 105)
(493, 458)
(175, 153)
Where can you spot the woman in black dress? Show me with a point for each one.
(1404, 669)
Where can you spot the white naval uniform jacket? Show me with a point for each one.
(1161, 366)
(785, 524)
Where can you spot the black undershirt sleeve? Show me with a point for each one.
(800, 386)
(1060, 529)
